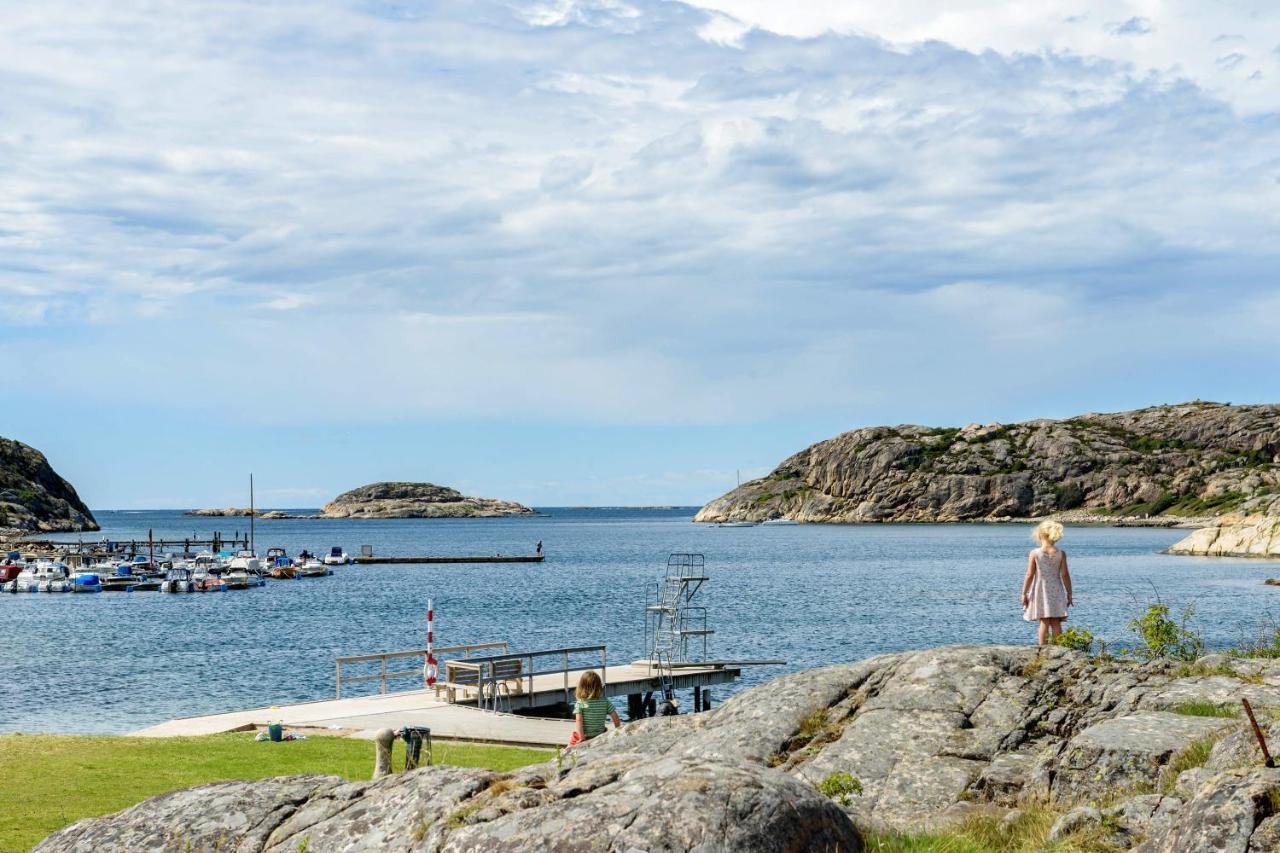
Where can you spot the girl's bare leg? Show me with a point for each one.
(1042, 634)
(1055, 627)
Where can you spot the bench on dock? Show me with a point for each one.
(465, 675)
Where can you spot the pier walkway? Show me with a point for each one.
(364, 715)
(461, 719)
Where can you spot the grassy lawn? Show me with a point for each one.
(53, 780)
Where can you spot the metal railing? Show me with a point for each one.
(492, 678)
(383, 657)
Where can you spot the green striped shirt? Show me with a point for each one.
(594, 712)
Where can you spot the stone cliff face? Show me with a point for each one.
(922, 740)
(32, 495)
(416, 500)
(1194, 460)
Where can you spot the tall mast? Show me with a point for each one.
(252, 514)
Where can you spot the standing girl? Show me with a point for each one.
(1046, 590)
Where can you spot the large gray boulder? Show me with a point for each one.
(1225, 815)
(1127, 751)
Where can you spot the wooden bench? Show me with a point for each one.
(464, 675)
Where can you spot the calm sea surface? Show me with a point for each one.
(811, 594)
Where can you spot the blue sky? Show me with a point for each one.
(610, 252)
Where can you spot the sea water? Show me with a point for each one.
(807, 594)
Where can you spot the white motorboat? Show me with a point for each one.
(246, 560)
(337, 557)
(736, 524)
(311, 568)
(242, 579)
(779, 521)
(44, 576)
(178, 579)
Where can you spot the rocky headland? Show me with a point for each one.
(33, 498)
(416, 500)
(1185, 464)
(1117, 754)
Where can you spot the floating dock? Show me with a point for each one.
(495, 558)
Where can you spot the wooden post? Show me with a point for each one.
(706, 698)
(635, 706)
(382, 752)
(1257, 732)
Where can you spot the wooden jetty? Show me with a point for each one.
(108, 547)
(495, 558)
(475, 698)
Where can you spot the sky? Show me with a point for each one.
(614, 252)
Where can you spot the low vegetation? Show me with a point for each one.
(1206, 709)
(55, 780)
(1027, 832)
(1194, 755)
(841, 787)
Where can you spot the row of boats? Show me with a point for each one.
(204, 572)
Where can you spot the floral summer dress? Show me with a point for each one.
(1047, 598)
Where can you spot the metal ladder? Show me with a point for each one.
(673, 617)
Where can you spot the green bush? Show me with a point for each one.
(1080, 639)
(1162, 637)
(839, 787)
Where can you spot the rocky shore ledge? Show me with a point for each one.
(1137, 756)
(1162, 465)
(416, 500)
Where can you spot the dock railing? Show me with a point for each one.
(494, 674)
(384, 657)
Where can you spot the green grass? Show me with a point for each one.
(1195, 754)
(54, 780)
(1206, 709)
(985, 833)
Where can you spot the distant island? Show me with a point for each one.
(417, 500)
(33, 498)
(1179, 465)
(229, 512)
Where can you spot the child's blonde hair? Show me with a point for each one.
(1049, 531)
(589, 686)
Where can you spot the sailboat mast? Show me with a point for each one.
(252, 514)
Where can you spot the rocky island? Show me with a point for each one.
(1172, 465)
(416, 500)
(33, 498)
(1053, 745)
(228, 512)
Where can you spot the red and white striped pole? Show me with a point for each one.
(429, 669)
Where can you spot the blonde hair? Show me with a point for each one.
(1049, 531)
(589, 686)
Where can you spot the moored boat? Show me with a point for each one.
(43, 576)
(86, 582)
(241, 579)
(178, 579)
(337, 557)
(311, 568)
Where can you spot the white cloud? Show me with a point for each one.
(612, 212)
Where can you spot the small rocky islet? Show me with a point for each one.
(393, 500)
(905, 742)
(417, 500)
